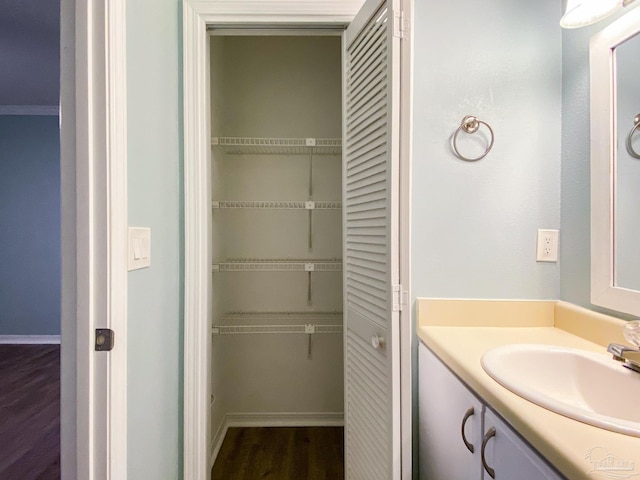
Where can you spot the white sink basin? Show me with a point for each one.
(586, 386)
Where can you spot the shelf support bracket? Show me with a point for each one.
(310, 205)
(309, 329)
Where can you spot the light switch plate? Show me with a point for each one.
(139, 248)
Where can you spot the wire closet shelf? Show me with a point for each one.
(275, 205)
(278, 146)
(234, 323)
(278, 265)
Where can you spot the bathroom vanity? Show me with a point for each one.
(462, 438)
(471, 427)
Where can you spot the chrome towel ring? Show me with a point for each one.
(636, 126)
(470, 124)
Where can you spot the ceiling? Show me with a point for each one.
(29, 52)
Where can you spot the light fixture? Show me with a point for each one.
(580, 13)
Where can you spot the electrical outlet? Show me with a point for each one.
(547, 249)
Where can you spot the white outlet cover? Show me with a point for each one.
(547, 247)
(139, 248)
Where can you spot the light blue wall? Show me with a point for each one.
(474, 224)
(29, 225)
(575, 246)
(576, 138)
(155, 201)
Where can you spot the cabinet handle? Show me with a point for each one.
(468, 413)
(490, 433)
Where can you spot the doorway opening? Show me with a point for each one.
(276, 236)
(376, 158)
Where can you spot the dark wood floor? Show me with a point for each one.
(281, 453)
(30, 412)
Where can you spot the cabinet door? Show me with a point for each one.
(449, 414)
(509, 457)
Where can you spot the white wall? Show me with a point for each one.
(301, 74)
(155, 200)
(474, 224)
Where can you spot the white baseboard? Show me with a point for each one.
(285, 419)
(218, 438)
(29, 339)
(272, 420)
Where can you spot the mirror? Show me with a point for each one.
(615, 165)
(627, 172)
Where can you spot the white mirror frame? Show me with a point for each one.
(604, 292)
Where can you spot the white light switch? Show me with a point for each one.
(139, 248)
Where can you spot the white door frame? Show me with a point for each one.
(197, 15)
(94, 238)
(407, 315)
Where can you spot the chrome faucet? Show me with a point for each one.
(629, 356)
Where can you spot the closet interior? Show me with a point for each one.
(276, 216)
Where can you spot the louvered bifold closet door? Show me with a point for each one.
(372, 389)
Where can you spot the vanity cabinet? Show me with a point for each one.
(448, 414)
(461, 438)
(508, 456)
